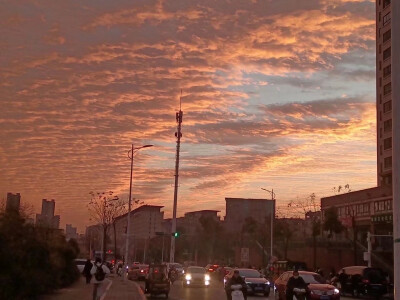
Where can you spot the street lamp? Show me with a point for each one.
(130, 155)
(272, 218)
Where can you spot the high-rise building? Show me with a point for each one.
(47, 217)
(384, 91)
(70, 232)
(13, 202)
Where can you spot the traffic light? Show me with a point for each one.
(176, 234)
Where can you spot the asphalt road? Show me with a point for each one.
(215, 291)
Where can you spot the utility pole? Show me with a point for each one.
(178, 135)
(396, 142)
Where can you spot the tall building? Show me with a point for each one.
(13, 202)
(238, 209)
(384, 91)
(46, 217)
(71, 232)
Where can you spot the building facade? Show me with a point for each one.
(384, 98)
(13, 202)
(191, 220)
(145, 221)
(238, 209)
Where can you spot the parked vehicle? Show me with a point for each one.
(317, 288)
(157, 282)
(196, 276)
(362, 280)
(255, 282)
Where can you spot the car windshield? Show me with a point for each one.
(312, 278)
(249, 273)
(196, 270)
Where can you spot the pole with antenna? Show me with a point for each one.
(178, 136)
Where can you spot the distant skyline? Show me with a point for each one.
(276, 94)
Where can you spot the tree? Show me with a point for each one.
(332, 223)
(104, 208)
(312, 211)
(283, 231)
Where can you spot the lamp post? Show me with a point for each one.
(128, 230)
(272, 218)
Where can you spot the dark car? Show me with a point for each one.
(317, 288)
(362, 280)
(255, 282)
(157, 282)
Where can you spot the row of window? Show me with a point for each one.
(387, 53)
(383, 205)
(387, 18)
(387, 162)
(387, 88)
(363, 209)
(387, 125)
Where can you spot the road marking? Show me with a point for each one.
(107, 288)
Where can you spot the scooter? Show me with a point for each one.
(237, 293)
(299, 294)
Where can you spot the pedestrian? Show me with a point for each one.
(86, 271)
(99, 272)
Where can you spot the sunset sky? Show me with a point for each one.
(276, 94)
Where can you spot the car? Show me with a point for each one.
(196, 276)
(317, 288)
(211, 268)
(362, 280)
(138, 272)
(80, 264)
(157, 281)
(255, 282)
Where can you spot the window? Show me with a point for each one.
(387, 89)
(387, 35)
(387, 143)
(387, 126)
(387, 71)
(388, 162)
(386, 3)
(387, 53)
(386, 19)
(387, 106)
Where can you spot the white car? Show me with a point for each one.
(196, 276)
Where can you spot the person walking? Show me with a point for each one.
(86, 271)
(99, 272)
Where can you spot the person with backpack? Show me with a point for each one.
(99, 272)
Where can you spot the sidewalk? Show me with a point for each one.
(81, 291)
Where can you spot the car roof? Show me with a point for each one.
(303, 272)
(244, 269)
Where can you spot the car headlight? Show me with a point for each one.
(267, 282)
(183, 271)
(207, 277)
(336, 291)
(188, 277)
(248, 282)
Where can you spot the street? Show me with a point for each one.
(215, 291)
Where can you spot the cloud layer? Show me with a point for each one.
(275, 93)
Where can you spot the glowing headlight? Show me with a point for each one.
(207, 277)
(336, 291)
(267, 282)
(188, 277)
